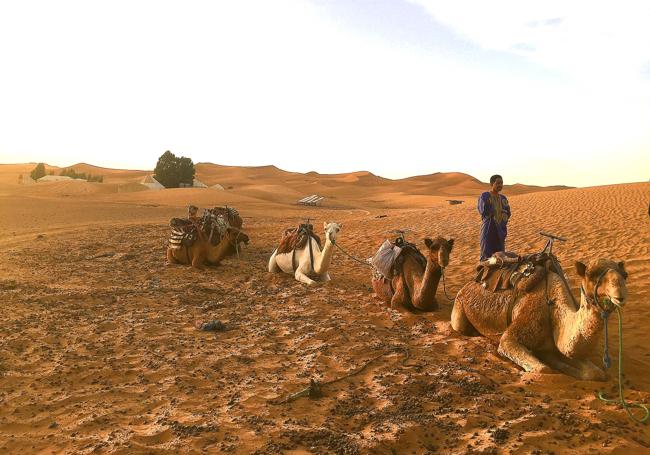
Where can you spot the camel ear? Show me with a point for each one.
(581, 268)
(341, 226)
(621, 268)
(428, 242)
(450, 242)
(324, 224)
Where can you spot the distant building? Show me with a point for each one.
(26, 180)
(152, 183)
(199, 184)
(54, 178)
(314, 199)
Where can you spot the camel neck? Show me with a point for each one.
(430, 281)
(578, 330)
(218, 252)
(322, 261)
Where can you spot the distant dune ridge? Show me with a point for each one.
(269, 183)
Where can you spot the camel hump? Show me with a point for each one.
(390, 257)
(227, 216)
(296, 238)
(409, 249)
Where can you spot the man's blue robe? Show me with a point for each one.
(493, 232)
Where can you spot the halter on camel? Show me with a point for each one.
(606, 306)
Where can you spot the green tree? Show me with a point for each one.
(38, 171)
(186, 170)
(171, 170)
(75, 175)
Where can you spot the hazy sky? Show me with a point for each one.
(543, 92)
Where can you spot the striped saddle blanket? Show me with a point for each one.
(183, 233)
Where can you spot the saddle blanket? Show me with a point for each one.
(385, 258)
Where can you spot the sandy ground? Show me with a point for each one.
(99, 353)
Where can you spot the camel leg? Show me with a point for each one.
(197, 260)
(397, 302)
(510, 347)
(171, 260)
(382, 290)
(560, 363)
(586, 370)
(325, 277)
(303, 278)
(590, 372)
(459, 321)
(273, 266)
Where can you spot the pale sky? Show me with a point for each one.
(542, 92)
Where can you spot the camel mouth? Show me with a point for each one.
(620, 301)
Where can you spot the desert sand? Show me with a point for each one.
(99, 352)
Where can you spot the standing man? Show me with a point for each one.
(495, 213)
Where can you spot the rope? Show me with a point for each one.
(621, 398)
(444, 287)
(607, 361)
(350, 256)
(313, 390)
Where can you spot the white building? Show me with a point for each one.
(198, 184)
(152, 183)
(54, 178)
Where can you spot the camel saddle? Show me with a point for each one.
(225, 218)
(296, 238)
(389, 258)
(521, 273)
(183, 233)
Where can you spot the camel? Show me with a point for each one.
(303, 260)
(219, 235)
(541, 330)
(414, 285)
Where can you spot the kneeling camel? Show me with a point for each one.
(307, 263)
(542, 329)
(416, 278)
(218, 235)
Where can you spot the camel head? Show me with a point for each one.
(608, 275)
(331, 230)
(439, 250)
(236, 236)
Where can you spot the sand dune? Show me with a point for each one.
(99, 354)
(258, 179)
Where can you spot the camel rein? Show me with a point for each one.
(349, 255)
(444, 286)
(235, 243)
(607, 306)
